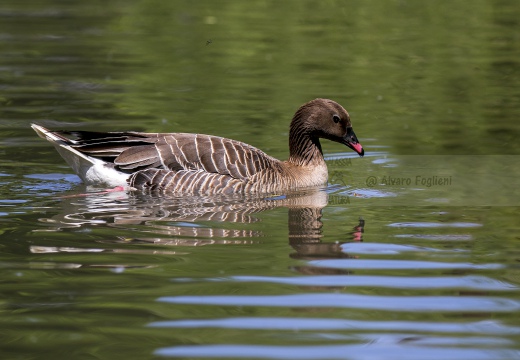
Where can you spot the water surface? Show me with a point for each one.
(409, 253)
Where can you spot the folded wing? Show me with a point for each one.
(132, 152)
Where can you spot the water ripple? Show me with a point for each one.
(449, 237)
(387, 249)
(357, 352)
(385, 303)
(435, 225)
(438, 282)
(301, 324)
(398, 264)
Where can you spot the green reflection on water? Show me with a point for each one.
(417, 77)
(427, 78)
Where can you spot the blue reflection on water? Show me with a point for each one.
(288, 323)
(371, 351)
(397, 282)
(385, 303)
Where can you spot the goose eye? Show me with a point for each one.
(335, 118)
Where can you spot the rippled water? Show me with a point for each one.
(408, 253)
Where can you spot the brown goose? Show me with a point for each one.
(205, 164)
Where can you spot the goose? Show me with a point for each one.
(182, 163)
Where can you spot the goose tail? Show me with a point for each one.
(90, 169)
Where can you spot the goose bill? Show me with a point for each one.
(352, 142)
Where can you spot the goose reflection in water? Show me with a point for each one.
(186, 221)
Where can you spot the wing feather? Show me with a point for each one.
(134, 151)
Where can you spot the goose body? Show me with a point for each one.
(205, 164)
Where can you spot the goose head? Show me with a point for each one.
(323, 118)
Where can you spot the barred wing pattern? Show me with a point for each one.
(181, 162)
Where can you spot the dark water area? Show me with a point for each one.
(410, 252)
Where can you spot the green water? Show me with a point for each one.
(429, 272)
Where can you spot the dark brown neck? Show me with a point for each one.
(304, 147)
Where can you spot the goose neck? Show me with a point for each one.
(304, 147)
